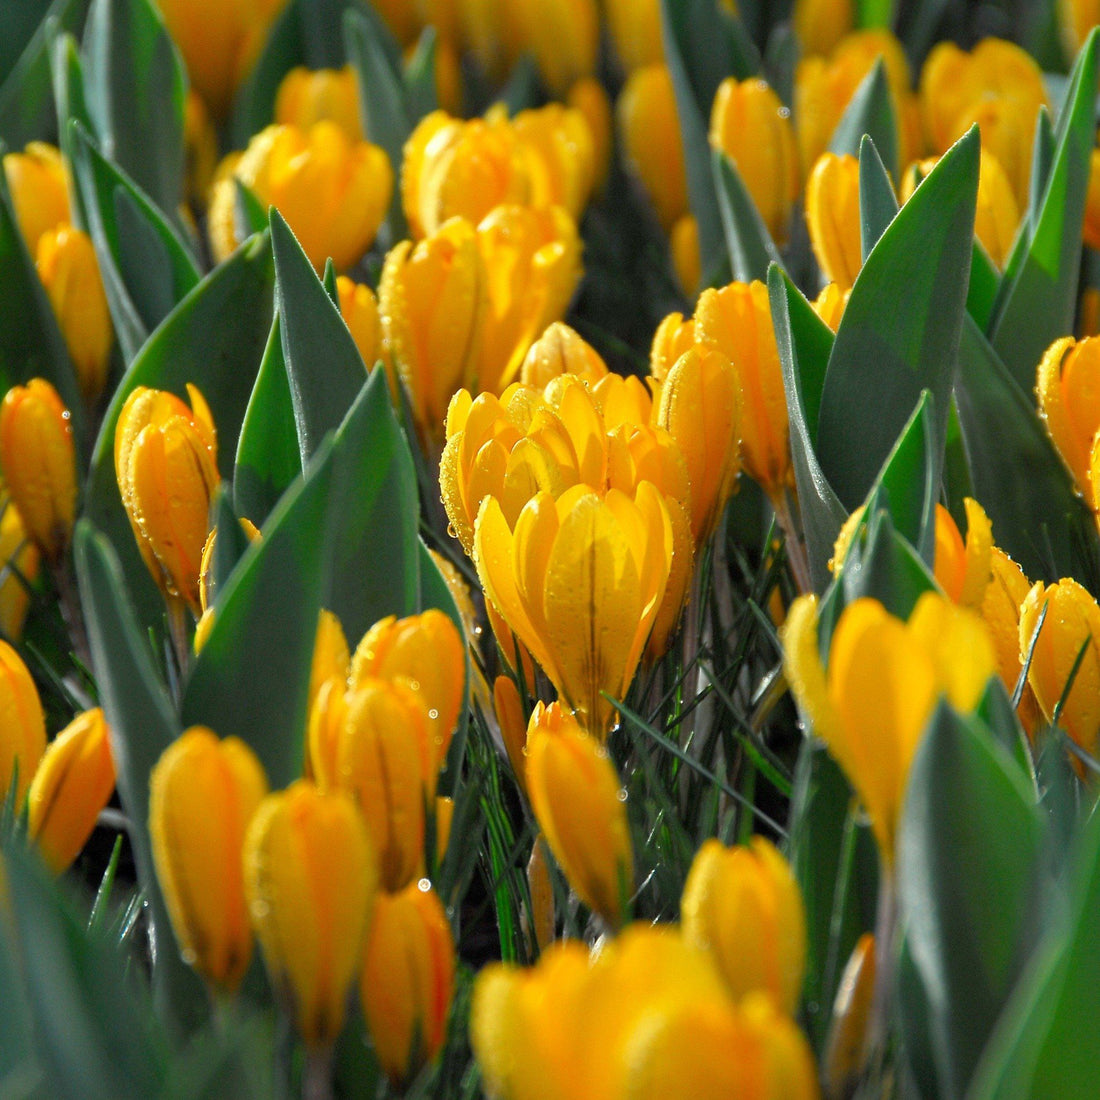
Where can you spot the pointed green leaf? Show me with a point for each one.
(971, 909)
(804, 343)
(878, 205)
(523, 88)
(323, 364)
(420, 86)
(1042, 160)
(267, 451)
(1038, 518)
(230, 543)
(135, 85)
(214, 339)
(143, 724)
(67, 77)
(748, 242)
(908, 479)
(900, 330)
(1038, 296)
(884, 566)
(249, 212)
(985, 284)
(870, 112)
(251, 678)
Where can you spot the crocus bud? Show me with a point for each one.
(1072, 623)
(832, 214)
(635, 27)
(963, 570)
(359, 308)
(332, 191)
(561, 156)
(561, 350)
(749, 123)
(22, 726)
(207, 584)
(426, 653)
(382, 757)
(589, 97)
(17, 553)
(687, 260)
(743, 906)
(563, 36)
(580, 580)
(821, 24)
(166, 465)
(407, 979)
(578, 803)
(219, 43)
(737, 320)
(39, 463)
(39, 192)
(542, 920)
(202, 795)
(674, 336)
(331, 657)
(1068, 388)
(847, 1047)
(306, 97)
(649, 130)
(508, 707)
(829, 305)
(872, 724)
(68, 269)
(700, 410)
(431, 300)
(1001, 610)
(73, 782)
(310, 878)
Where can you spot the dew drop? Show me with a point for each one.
(188, 955)
(433, 714)
(414, 684)
(451, 531)
(620, 794)
(424, 885)
(260, 910)
(784, 112)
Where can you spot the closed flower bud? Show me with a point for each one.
(359, 308)
(687, 260)
(1072, 623)
(166, 465)
(563, 36)
(847, 1046)
(219, 44)
(306, 97)
(454, 168)
(17, 553)
(508, 708)
(575, 794)
(624, 401)
(432, 297)
(560, 350)
(72, 784)
(589, 97)
(542, 920)
(649, 132)
(39, 464)
(332, 191)
(882, 682)
(207, 585)
(749, 123)
(963, 570)
(310, 878)
(635, 27)
(39, 191)
(22, 726)
(1068, 389)
(832, 214)
(407, 979)
(382, 756)
(68, 269)
(674, 336)
(821, 24)
(331, 658)
(426, 653)
(737, 320)
(743, 906)
(1001, 610)
(580, 581)
(561, 156)
(202, 795)
(700, 410)
(532, 260)
(829, 305)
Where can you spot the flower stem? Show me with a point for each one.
(794, 542)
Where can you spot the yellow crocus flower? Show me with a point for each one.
(39, 191)
(306, 97)
(589, 97)
(39, 464)
(331, 657)
(203, 792)
(674, 336)
(561, 156)
(821, 24)
(561, 350)
(310, 876)
(563, 36)
(1068, 388)
(882, 682)
(18, 550)
(22, 725)
(832, 215)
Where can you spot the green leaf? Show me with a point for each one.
(985, 283)
(372, 546)
(1038, 295)
(67, 77)
(870, 112)
(878, 205)
(835, 865)
(267, 451)
(900, 330)
(421, 95)
(968, 885)
(214, 339)
(31, 344)
(97, 1035)
(995, 710)
(323, 364)
(884, 566)
(1038, 518)
(251, 678)
(249, 213)
(804, 343)
(143, 724)
(146, 267)
(387, 119)
(136, 86)
(1042, 160)
(874, 13)
(230, 544)
(27, 111)
(748, 242)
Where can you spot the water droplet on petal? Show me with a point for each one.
(424, 885)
